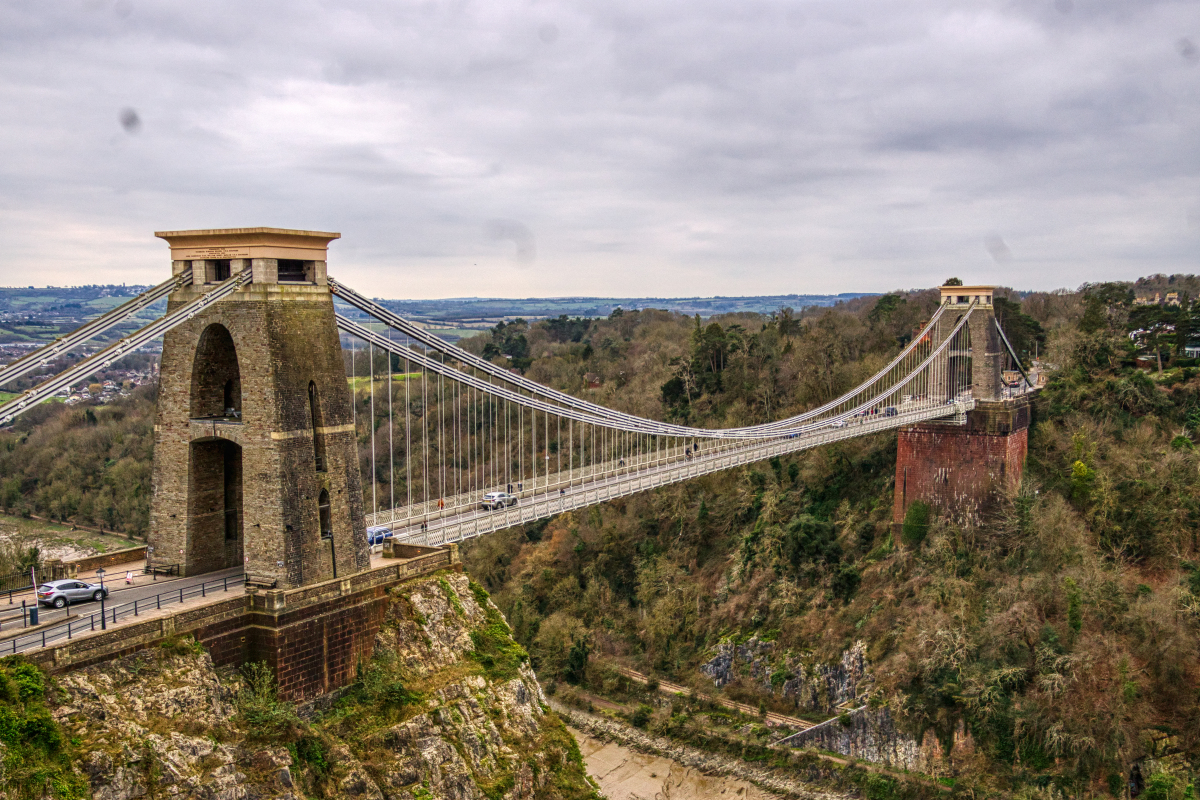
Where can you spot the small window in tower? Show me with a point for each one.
(223, 270)
(292, 271)
(324, 515)
(314, 410)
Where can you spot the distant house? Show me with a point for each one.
(1191, 351)
(1147, 300)
(1172, 298)
(592, 380)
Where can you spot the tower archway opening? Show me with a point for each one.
(215, 523)
(216, 377)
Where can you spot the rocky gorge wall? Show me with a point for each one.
(870, 734)
(447, 708)
(811, 687)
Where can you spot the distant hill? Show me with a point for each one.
(30, 314)
(481, 308)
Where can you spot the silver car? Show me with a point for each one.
(495, 500)
(59, 593)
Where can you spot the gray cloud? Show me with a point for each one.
(518, 233)
(668, 148)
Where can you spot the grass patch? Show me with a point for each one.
(495, 650)
(570, 777)
(452, 596)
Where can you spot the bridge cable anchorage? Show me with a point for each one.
(377, 311)
(90, 330)
(97, 361)
(929, 381)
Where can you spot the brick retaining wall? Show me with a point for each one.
(312, 638)
(963, 470)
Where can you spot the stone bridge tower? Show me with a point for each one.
(961, 470)
(255, 453)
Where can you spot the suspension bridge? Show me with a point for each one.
(257, 433)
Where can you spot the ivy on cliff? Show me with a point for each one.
(37, 758)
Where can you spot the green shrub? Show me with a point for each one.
(916, 523)
(263, 715)
(641, 715)
(845, 582)
(1074, 605)
(313, 752)
(495, 650)
(38, 761)
(1161, 786)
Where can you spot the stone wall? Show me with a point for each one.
(962, 470)
(312, 637)
(81, 566)
(276, 341)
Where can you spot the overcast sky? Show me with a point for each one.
(623, 147)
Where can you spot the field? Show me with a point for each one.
(59, 541)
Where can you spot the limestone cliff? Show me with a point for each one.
(810, 686)
(447, 708)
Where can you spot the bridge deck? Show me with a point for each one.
(467, 521)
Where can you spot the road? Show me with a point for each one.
(772, 717)
(455, 524)
(117, 597)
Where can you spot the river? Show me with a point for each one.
(625, 774)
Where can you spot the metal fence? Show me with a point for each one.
(17, 582)
(51, 634)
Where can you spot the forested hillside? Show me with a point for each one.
(88, 464)
(1060, 632)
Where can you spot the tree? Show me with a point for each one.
(674, 392)
(885, 306)
(1024, 333)
(1100, 301)
(1152, 325)
(953, 282)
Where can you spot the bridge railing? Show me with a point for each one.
(570, 476)
(472, 524)
(929, 379)
(49, 633)
(16, 582)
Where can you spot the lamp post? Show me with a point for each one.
(103, 594)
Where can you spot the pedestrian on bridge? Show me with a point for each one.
(129, 578)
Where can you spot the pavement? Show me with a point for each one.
(141, 588)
